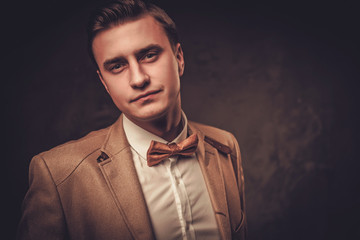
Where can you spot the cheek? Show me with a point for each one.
(117, 93)
(115, 84)
(171, 75)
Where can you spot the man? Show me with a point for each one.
(152, 174)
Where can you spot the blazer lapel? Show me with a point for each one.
(122, 180)
(209, 163)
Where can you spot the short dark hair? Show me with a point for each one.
(117, 12)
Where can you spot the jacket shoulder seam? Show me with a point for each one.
(74, 169)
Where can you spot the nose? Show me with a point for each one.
(138, 78)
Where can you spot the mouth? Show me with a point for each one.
(147, 94)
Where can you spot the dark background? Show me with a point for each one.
(283, 77)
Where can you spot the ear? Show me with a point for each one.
(180, 59)
(102, 80)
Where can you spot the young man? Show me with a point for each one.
(152, 174)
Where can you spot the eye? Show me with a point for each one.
(117, 68)
(150, 57)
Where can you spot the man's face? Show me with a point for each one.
(139, 69)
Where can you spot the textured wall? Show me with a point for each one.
(282, 78)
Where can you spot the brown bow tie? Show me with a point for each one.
(160, 151)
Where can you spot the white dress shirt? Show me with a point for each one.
(175, 191)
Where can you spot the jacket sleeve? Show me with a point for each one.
(42, 214)
(241, 231)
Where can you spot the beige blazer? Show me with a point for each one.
(89, 189)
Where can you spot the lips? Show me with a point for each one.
(145, 95)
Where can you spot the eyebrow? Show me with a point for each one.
(138, 53)
(147, 49)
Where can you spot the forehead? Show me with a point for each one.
(128, 37)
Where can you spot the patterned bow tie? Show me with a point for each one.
(160, 151)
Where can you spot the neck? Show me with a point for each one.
(167, 127)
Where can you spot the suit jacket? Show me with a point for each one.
(89, 189)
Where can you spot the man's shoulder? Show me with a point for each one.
(81, 146)
(211, 131)
(62, 160)
(214, 135)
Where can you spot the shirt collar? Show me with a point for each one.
(140, 139)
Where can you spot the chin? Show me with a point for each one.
(153, 111)
(152, 116)
(149, 115)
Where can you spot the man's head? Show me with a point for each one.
(139, 61)
(119, 12)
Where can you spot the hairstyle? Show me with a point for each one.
(120, 11)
